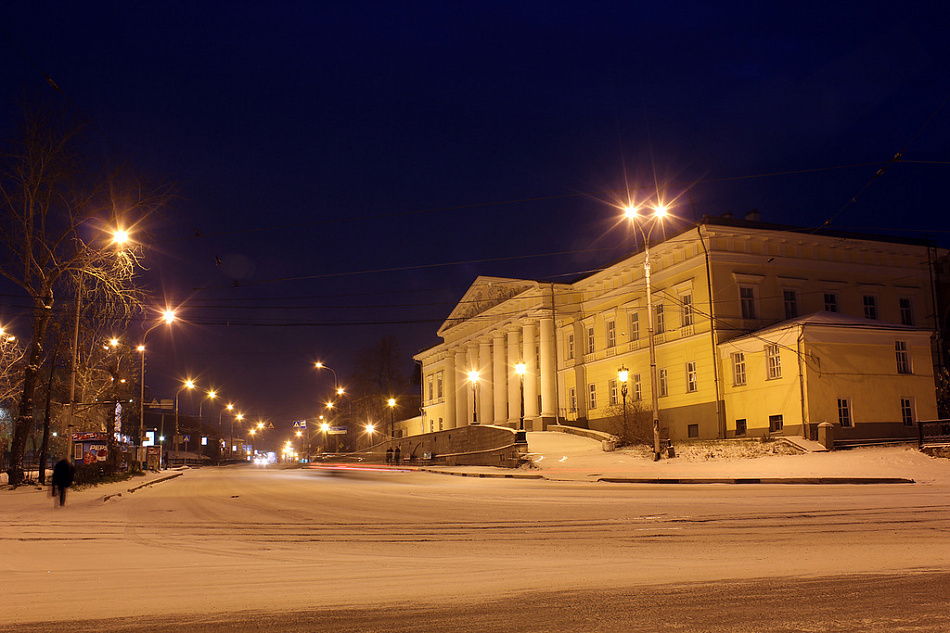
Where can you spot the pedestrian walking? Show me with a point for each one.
(396, 456)
(389, 455)
(62, 479)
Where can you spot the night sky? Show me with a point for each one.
(345, 170)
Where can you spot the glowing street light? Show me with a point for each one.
(473, 378)
(622, 375)
(188, 384)
(659, 212)
(168, 317)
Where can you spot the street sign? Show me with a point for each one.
(271, 425)
(300, 424)
(336, 430)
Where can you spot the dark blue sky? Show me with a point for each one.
(357, 151)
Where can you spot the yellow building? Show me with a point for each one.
(716, 285)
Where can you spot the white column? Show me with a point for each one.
(499, 377)
(530, 358)
(470, 394)
(486, 398)
(448, 392)
(548, 370)
(514, 380)
(462, 404)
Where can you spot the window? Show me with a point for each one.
(572, 399)
(431, 389)
(870, 307)
(570, 347)
(440, 424)
(634, 326)
(907, 411)
(831, 302)
(612, 391)
(438, 386)
(687, 302)
(664, 384)
(907, 311)
(637, 390)
(903, 357)
(611, 333)
(590, 339)
(741, 427)
(691, 384)
(776, 423)
(773, 361)
(844, 412)
(591, 396)
(692, 430)
(791, 303)
(738, 368)
(659, 324)
(747, 301)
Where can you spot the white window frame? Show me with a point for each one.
(908, 411)
(906, 307)
(748, 305)
(692, 383)
(902, 354)
(572, 399)
(845, 413)
(612, 391)
(790, 302)
(611, 326)
(831, 303)
(592, 396)
(664, 383)
(659, 319)
(634, 326)
(637, 387)
(570, 346)
(686, 301)
(591, 340)
(773, 361)
(738, 369)
(870, 307)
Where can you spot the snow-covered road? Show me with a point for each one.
(219, 541)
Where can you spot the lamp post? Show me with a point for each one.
(212, 394)
(623, 375)
(392, 417)
(189, 384)
(239, 417)
(473, 378)
(520, 369)
(659, 212)
(229, 407)
(168, 317)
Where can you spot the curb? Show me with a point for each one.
(482, 475)
(761, 480)
(143, 485)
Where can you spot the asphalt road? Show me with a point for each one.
(243, 549)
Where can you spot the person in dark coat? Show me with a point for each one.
(389, 455)
(396, 456)
(62, 479)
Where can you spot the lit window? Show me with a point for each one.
(738, 368)
(844, 412)
(903, 357)
(691, 384)
(773, 360)
(870, 307)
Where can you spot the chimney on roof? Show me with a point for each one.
(752, 216)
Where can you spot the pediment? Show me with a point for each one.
(484, 294)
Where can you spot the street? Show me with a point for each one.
(245, 548)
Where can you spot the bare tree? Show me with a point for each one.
(635, 426)
(382, 373)
(58, 213)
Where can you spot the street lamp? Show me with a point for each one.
(168, 317)
(473, 378)
(189, 384)
(392, 417)
(520, 370)
(239, 417)
(336, 382)
(229, 407)
(622, 375)
(659, 212)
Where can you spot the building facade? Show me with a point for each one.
(719, 288)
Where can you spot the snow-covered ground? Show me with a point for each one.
(559, 455)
